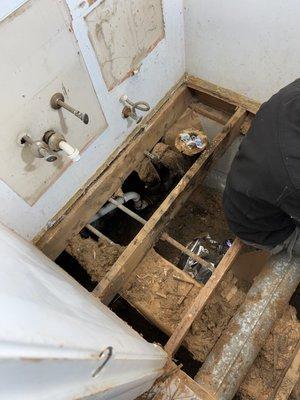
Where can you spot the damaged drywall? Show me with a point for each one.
(122, 34)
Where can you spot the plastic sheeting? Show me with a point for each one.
(52, 333)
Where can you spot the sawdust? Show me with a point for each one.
(273, 358)
(96, 257)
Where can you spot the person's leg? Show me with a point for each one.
(291, 245)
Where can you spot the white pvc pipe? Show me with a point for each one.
(70, 151)
(109, 207)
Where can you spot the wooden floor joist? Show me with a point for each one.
(203, 297)
(133, 254)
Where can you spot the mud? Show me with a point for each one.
(273, 359)
(96, 257)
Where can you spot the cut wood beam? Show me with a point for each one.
(148, 235)
(176, 384)
(55, 239)
(209, 112)
(201, 300)
(223, 94)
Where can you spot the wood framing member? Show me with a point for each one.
(289, 379)
(108, 178)
(134, 253)
(224, 95)
(203, 297)
(55, 239)
(177, 384)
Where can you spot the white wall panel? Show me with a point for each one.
(41, 57)
(159, 71)
(250, 46)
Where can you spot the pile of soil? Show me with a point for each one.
(201, 217)
(95, 257)
(273, 359)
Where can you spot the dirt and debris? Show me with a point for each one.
(273, 359)
(147, 172)
(172, 160)
(162, 298)
(215, 317)
(161, 290)
(96, 257)
(295, 395)
(201, 217)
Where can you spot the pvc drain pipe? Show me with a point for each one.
(232, 356)
(109, 207)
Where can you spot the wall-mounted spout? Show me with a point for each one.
(58, 101)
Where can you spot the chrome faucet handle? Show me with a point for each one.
(57, 101)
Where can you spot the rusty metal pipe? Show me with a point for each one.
(229, 361)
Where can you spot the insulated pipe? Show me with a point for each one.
(109, 207)
(232, 356)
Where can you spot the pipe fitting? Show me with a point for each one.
(57, 142)
(130, 107)
(139, 204)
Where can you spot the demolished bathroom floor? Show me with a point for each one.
(162, 293)
(187, 311)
